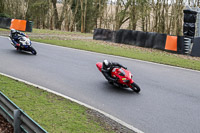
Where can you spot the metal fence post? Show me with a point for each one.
(17, 121)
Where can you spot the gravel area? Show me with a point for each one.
(108, 123)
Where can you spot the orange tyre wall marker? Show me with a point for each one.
(18, 24)
(171, 43)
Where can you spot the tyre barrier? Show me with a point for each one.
(189, 29)
(29, 25)
(189, 16)
(119, 35)
(187, 45)
(18, 24)
(141, 38)
(5, 22)
(159, 42)
(175, 44)
(103, 34)
(113, 36)
(180, 45)
(150, 39)
(196, 47)
(127, 37)
(134, 37)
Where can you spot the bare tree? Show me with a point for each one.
(121, 13)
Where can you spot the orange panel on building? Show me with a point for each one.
(171, 43)
(18, 24)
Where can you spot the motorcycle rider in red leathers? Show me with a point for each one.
(107, 69)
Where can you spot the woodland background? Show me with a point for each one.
(162, 16)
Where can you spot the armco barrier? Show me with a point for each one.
(21, 122)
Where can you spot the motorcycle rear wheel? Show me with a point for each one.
(135, 87)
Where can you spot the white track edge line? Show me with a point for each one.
(116, 56)
(79, 102)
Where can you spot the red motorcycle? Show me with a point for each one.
(124, 78)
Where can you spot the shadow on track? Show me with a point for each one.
(19, 52)
(109, 88)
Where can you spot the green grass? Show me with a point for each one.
(1, 29)
(53, 113)
(58, 32)
(155, 56)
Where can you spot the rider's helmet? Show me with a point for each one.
(13, 31)
(106, 64)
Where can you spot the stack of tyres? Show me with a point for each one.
(189, 23)
(189, 29)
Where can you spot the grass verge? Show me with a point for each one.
(52, 112)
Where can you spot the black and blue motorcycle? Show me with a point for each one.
(24, 44)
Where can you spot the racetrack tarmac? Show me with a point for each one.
(169, 98)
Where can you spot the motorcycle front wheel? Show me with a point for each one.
(33, 51)
(135, 87)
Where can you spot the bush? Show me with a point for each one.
(4, 15)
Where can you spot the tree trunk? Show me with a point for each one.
(85, 15)
(55, 14)
(82, 17)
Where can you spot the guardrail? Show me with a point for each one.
(17, 117)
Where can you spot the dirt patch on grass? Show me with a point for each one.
(5, 126)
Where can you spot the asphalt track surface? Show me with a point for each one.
(169, 98)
